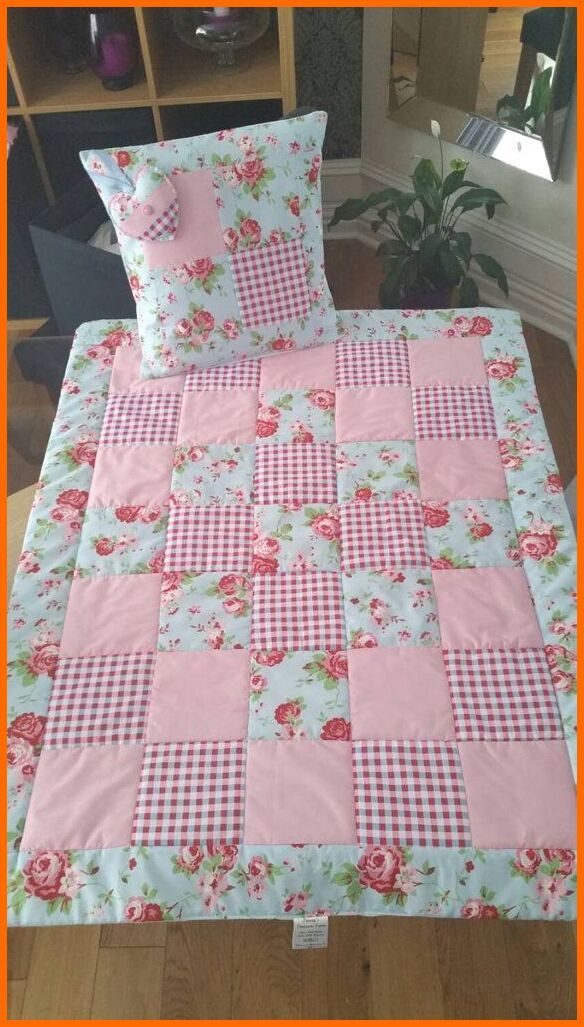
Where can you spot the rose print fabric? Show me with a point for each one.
(221, 238)
(391, 704)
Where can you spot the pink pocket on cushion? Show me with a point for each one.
(199, 232)
(486, 608)
(196, 696)
(116, 614)
(460, 469)
(299, 791)
(132, 476)
(520, 795)
(83, 798)
(376, 414)
(447, 362)
(399, 693)
(218, 417)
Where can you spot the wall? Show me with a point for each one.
(328, 44)
(533, 237)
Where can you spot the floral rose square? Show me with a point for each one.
(204, 611)
(299, 415)
(212, 475)
(465, 533)
(123, 540)
(390, 608)
(369, 471)
(296, 537)
(299, 694)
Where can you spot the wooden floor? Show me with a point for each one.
(386, 968)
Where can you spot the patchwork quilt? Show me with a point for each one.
(296, 635)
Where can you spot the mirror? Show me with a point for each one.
(498, 79)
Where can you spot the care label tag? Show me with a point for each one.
(310, 932)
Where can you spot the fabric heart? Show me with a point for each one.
(151, 211)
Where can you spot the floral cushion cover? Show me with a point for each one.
(221, 238)
(296, 635)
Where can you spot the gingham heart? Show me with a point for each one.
(151, 212)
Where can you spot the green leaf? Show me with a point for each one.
(392, 247)
(493, 269)
(452, 182)
(463, 244)
(351, 209)
(469, 294)
(429, 248)
(451, 266)
(410, 227)
(425, 174)
(479, 197)
(540, 95)
(458, 164)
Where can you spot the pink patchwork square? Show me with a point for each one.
(453, 412)
(409, 793)
(312, 368)
(199, 231)
(99, 700)
(140, 418)
(460, 469)
(376, 414)
(191, 793)
(109, 615)
(209, 538)
(270, 282)
(295, 473)
(126, 373)
(241, 374)
(299, 792)
(502, 695)
(447, 362)
(83, 798)
(136, 476)
(372, 362)
(486, 608)
(399, 693)
(200, 695)
(218, 417)
(298, 611)
(379, 536)
(520, 795)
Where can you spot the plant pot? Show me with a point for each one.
(434, 299)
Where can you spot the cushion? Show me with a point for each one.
(221, 238)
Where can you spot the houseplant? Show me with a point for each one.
(427, 257)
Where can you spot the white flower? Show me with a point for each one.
(436, 130)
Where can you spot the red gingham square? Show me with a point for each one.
(270, 282)
(242, 374)
(164, 226)
(454, 412)
(146, 418)
(191, 793)
(372, 362)
(377, 536)
(298, 611)
(502, 695)
(209, 538)
(99, 700)
(409, 793)
(296, 472)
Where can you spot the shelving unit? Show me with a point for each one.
(172, 76)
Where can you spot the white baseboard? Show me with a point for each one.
(541, 272)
